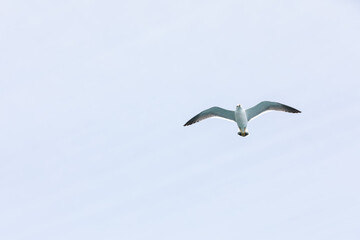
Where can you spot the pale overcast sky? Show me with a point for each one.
(94, 95)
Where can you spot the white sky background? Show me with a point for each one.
(94, 95)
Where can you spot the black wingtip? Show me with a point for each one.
(293, 110)
(191, 121)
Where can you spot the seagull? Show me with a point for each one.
(240, 115)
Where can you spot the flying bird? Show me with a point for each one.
(240, 115)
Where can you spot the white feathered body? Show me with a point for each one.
(241, 118)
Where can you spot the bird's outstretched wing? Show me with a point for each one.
(268, 106)
(212, 112)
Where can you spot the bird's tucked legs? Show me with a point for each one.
(243, 134)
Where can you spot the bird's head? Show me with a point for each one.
(238, 106)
